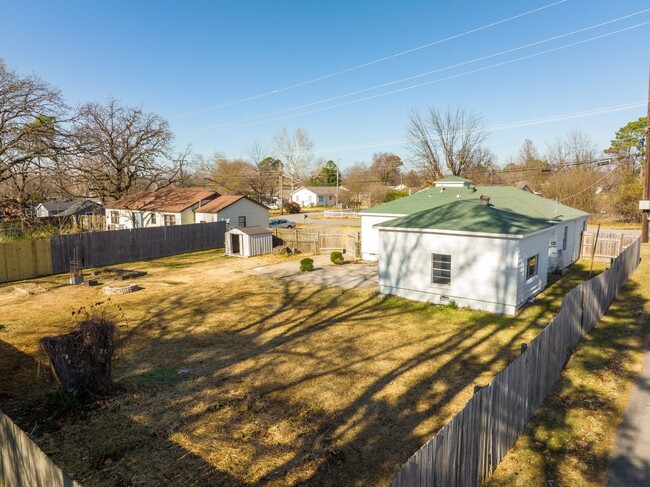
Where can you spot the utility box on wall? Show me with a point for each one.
(644, 205)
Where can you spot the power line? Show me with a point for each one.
(494, 128)
(419, 85)
(370, 63)
(409, 78)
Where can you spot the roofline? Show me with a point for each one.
(506, 236)
(391, 215)
(243, 196)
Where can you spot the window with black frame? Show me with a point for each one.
(440, 269)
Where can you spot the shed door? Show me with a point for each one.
(234, 243)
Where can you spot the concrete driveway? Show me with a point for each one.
(347, 276)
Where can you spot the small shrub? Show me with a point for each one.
(452, 304)
(306, 265)
(292, 207)
(337, 258)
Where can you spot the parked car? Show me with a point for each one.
(280, 223)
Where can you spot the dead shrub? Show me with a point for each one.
(81, 359)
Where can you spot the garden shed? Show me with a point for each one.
(249, 241)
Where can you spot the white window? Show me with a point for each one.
(440, 269)
(115, 217)
(565, 238)
(170, 220)
(153, 218)
(531, 266)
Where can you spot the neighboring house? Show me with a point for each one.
(169, 206)
(489, 248)
(239, 211)
(316, 196)
(72, 207)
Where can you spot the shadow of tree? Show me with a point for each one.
(285, 384)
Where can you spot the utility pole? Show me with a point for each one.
(646, 176)
(281, 183)
(338, 161)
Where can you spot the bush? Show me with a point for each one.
(337, 258)
(306, 265)
(292, 207)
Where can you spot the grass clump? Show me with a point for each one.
(337, 258)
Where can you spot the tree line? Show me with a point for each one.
(107, 150)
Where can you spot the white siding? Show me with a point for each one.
(250, 245)
(370, 236)
(254, 213)
(484, 270)
(560, 258)
(186, 217)
(304, 197)
(127, 218)
(529, 247)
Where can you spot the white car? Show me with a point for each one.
(280, 223)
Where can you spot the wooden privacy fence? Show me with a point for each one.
(468, 448)
(34, 258)
(96, 249)
(609, 245)
(316, 241)
(24, 463)
(25, 260)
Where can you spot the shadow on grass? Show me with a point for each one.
(251, 402)
(565, 441)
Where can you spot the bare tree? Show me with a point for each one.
(386, 167)
(33, 119)
(122, 149)
(296, 152)
(574, 147)
(451, 139)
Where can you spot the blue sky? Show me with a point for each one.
(180, 59)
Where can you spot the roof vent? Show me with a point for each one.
(485, 199)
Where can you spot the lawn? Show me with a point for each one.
(571, 436)
(281, 383)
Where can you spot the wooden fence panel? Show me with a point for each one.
(470, 446)
(25, 259)
(98, 249)
(22, 463)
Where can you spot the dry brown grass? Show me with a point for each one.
(286, 383)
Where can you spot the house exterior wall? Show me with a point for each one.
(560, 258)
(127, 218)
(305, 197)
(484, 270)
(254, 213)
(370, 236)
(529, 247)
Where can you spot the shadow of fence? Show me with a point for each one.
(468, 448)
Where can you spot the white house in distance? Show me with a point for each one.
(315, 196)
(169, 206)
(488, 248)
(239, 211)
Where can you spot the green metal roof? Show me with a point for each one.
(507, 198)
(470, 216)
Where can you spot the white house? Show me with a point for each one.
(169, 206)
(564, 240)
(315, 196)
(491, 252)
(239, 211)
